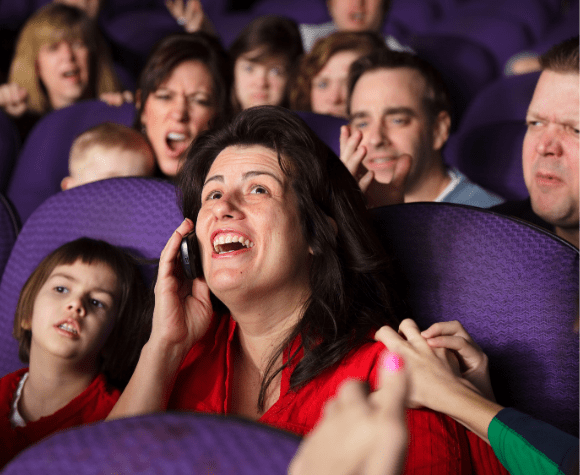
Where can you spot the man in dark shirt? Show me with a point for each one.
(551, 146)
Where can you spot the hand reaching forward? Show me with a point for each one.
(183, 309)
(433, 372)
(189, 14)
(474, 364)
(360, 434)
(13, 99)
(117, 98)
(352, 154)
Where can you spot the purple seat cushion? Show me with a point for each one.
(513, 286)
(167, 443)
(137, 214)
(43, 160)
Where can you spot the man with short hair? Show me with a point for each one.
(551, 146)
(399, 110)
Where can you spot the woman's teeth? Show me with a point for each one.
(230, 242)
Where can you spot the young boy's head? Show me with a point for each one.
(130, 328)
(105, 151)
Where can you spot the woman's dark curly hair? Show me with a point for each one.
(351, 276)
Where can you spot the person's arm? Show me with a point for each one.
(181, 317)
(526, 446)
(433, 383)
(359, 433)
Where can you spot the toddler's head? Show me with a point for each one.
(108, 150)
(84, 302)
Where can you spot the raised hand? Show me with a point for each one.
(117, 98)
(352, 154)
(13, 99)
(360, 434)
(183, 309)
(188, 13)
(474, 363)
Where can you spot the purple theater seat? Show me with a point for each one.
(167, 443)
(327, 128)
(301, 11)
(137, 214)
(9, 148)
(466, 66)
(513, 286)
(491, 155)
(9, 227)
(502, 37)
(418, 16)
(507, 98)
(43, 160)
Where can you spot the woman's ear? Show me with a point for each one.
(25, 324)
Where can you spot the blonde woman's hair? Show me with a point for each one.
(51, 23)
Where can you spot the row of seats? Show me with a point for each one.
(512, 285)
(486, 146)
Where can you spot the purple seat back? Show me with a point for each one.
(166, 443)
(9, 148)
(43, 160)
(466, 66)
(327, 128)
(513, 286)
(301, 11)
(9, 227)
(507, 98)
(491, 155)
(137, 214)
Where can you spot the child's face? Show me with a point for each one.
(100, 163)
(73, 314)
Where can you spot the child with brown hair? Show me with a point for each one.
(80, 326)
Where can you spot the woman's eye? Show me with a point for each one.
(248, 67)
(277, 71)
(321, 85)
(97, 303)
(258, 189)
(214, 195)
(162, 96)
(60, 289)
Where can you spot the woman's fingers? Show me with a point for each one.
(169, 254)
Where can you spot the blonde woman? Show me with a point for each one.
(60, 58)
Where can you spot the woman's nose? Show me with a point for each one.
(180, 109)
(227, 208)
(77, 306)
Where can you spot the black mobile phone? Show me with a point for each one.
(190, 256)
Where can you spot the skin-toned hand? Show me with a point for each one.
(182, 309)
(360, 434)
(189, 14)
(117, 98)
(13, 99)
(434, 384)
(352, 153)
(474, 364)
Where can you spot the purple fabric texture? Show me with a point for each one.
(136, 214)
(513, 286)
(9, 148)
(9, 228)
(167, 443)
(466, 66)
(43, 160)
(491, 156)
(327, 128)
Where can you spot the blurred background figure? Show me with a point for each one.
(106, 151)
(263, 58)
(183, 90)
(59, 59)
(321, 82)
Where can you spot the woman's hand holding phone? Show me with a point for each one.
(183, 308)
